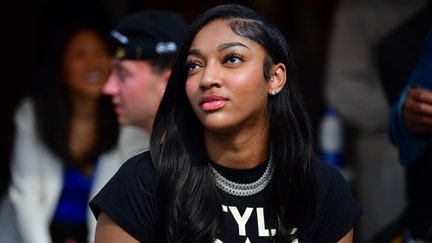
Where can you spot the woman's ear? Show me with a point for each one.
(278, 78)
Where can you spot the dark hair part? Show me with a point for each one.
(50, 93)
(188, 199)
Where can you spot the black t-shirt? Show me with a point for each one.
(129, 200)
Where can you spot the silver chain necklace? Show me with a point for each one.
(244, 189)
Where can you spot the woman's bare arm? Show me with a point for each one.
(108, 231)
(348, 237)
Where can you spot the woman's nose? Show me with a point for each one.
(212, 76)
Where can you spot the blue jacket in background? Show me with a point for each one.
(412, 147)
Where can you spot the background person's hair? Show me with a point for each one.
(189, 201)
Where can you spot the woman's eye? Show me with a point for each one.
(192, 66)
(233, 59)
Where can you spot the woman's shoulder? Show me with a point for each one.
(24, 107)
(24, 114)
(335, 204)
(134, 175)
(140, 164)
(331, 183)
(129, 198)
(326, 173)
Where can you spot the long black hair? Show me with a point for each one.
(189, 203)
(50, 93)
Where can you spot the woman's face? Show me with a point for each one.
(86, 63)
(225, 84)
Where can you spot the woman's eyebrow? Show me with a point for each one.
(194, 52)
(230, 44)
(224, 46)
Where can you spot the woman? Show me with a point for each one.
(65, 140)
(232, 154)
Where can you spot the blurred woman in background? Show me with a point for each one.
(65, 140)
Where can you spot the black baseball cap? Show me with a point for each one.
(147, 34)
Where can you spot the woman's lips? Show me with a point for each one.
(213, 102)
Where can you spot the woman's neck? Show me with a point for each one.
(238, 153)
(84, 108)
(83, 129)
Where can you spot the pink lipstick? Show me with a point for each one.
(212, 102)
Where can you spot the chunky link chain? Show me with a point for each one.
(244, 189)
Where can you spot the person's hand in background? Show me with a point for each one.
(417, 110)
